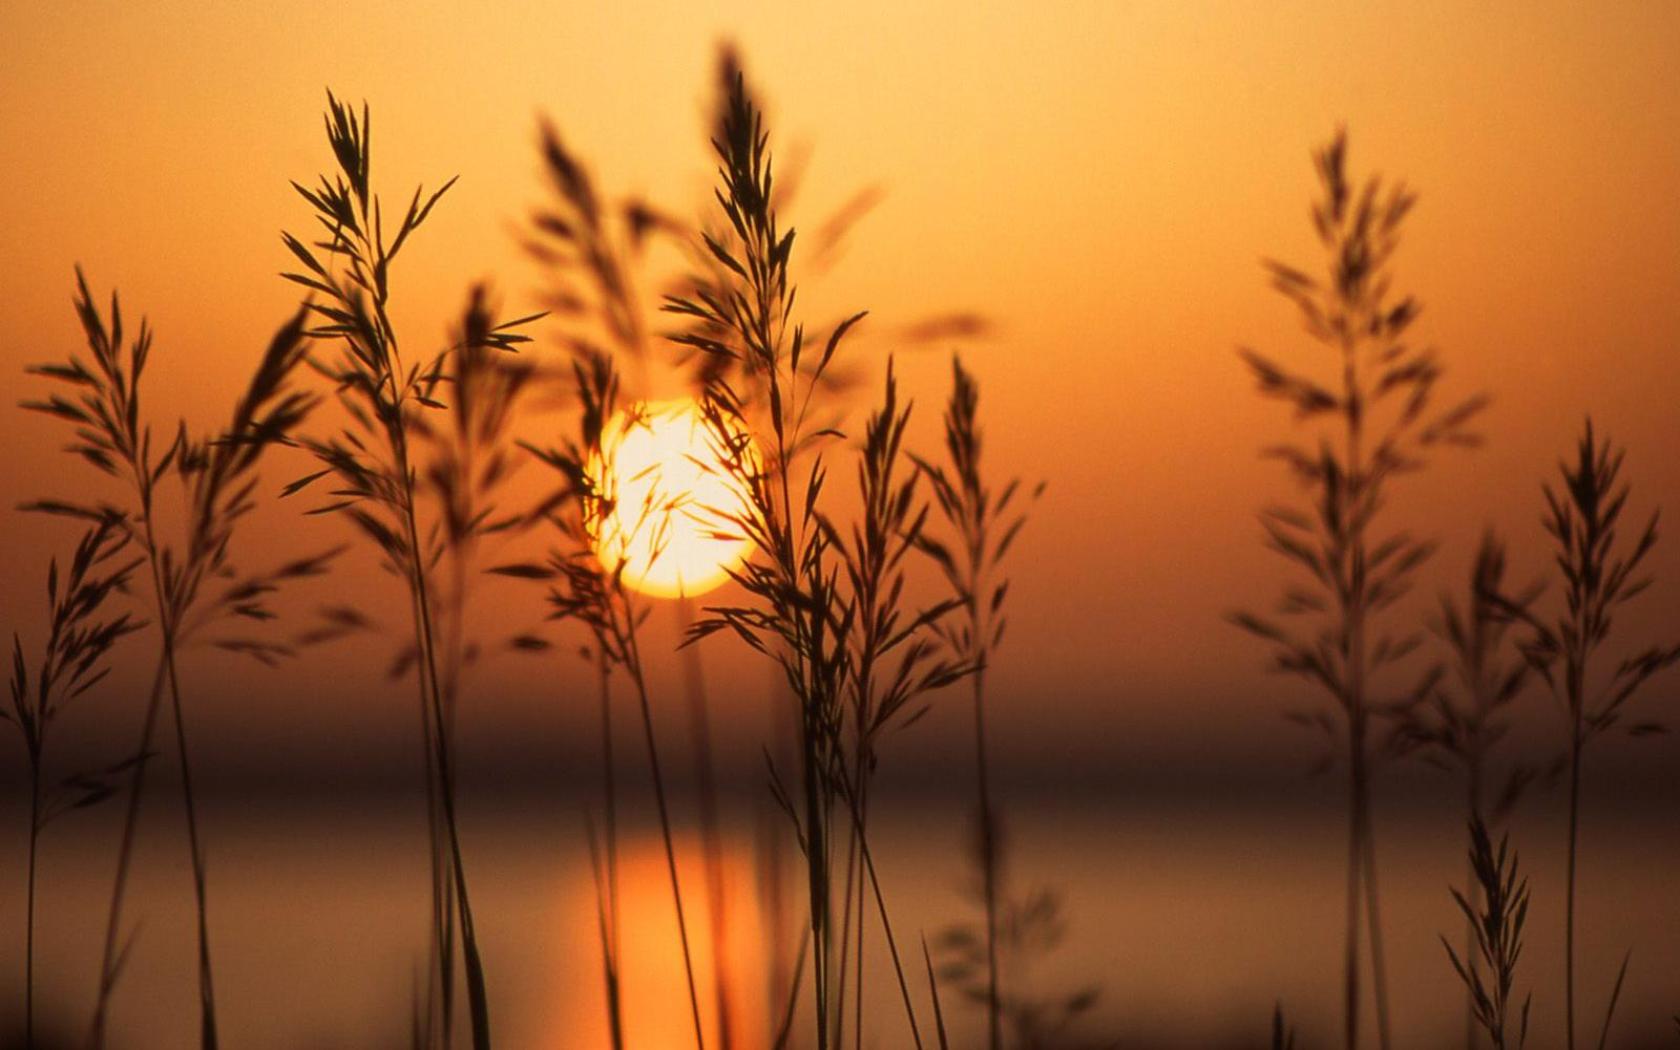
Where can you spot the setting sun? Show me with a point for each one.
(666, 481)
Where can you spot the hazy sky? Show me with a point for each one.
(1100, 179)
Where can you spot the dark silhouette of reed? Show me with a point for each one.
(1598, 574)
(467, 462)
(194, 584)
(1463, 719)
(985, 524)
(748, 328)
(817, 611)
(473, 458)
(583, 590)
(81, 633)
(589, 260)
(896, 656)
(944, 1040)
(375, 468)
(1374, 422)
(1496, 916)
(711, 835)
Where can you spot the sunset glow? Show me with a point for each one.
(667, 488)
(719, 526)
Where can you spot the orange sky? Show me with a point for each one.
(1100, 179)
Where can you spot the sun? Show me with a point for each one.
(662, 471)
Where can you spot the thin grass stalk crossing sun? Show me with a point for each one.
(666, 470)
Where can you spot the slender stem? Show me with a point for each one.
(167, 626)
(779, 984)
(443, 892)
(440, 1009)
(609, 787)
(477, 999)
(1350, 958)
(206, 986)
(892, 945)
(988, 859)
(633, 664)
(694, 682)
(1351, 494)
(1569, 886)
(862, 832)
(29, 908)
(785, 1027)
(818, 803)
(851, 798)
(603, 924)
(1379, 969)
(1472, 893)
(816, 864)
(1354, 509)
(854, 881)
(110, 957)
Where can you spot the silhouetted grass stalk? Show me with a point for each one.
(167, 625)
(794, 583)
(1375, 424)
(1496, 929)
(112, 957)
(387, 399)
(1459, 725)
(606, 874)
(760, 389)
(217, 475)
(986, 524)
(1599, 576)
(583, 590)
(73, 661)
(633, 664)
(587, 260)
(694, 684)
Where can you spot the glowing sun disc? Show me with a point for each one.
(666, 481)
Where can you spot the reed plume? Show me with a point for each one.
(764, 390)
(473, 457)
(81, 633)
(375, 467)
(1374, 423)
(985, 523)
(1466, 716)
(1599, 573)
(1496, 921)
(582, 590)
(745, 327)
(896, 659)
(588, 252)
(194, 584)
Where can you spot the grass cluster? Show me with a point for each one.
(1340, 625)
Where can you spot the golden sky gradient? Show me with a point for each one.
(1100, 179)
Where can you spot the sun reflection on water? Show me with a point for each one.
(654, 992)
